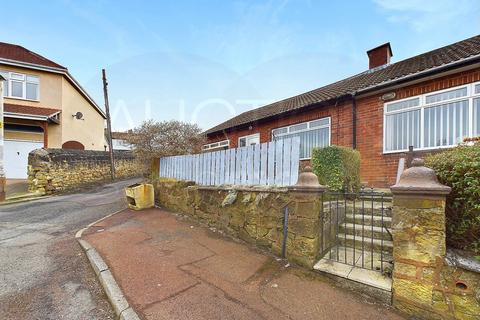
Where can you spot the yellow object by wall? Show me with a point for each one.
(140, 196)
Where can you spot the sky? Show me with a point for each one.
(206, 61)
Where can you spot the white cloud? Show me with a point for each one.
(423, 15)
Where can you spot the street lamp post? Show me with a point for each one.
(2, 170)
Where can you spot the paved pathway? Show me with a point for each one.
(171, 268)
(43, 271)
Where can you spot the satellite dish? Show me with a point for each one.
(78, 115)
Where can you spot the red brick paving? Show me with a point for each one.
(171, 270)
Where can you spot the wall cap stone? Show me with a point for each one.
(307, 183)
(419, 180)
(457, 258)
(270, 189)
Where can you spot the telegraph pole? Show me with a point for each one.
(2, 170)
(109, 124)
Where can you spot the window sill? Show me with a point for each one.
(21, 99)
(421, 150)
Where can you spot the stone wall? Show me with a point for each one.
(254, 214)
(428, 283)
(57, 170)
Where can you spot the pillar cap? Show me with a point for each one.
(307, 182)
(419, 179)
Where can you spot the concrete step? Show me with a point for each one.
(367, 231)
(369, 277)
(350, 241)
(368, 220)
(359, 258)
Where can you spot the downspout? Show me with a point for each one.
(354, 121)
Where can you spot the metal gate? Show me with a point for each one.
(356, 229)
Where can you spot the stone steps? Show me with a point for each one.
(371, 244)
(359, 258)
(367, 220)
(366, 208)
(365, 231)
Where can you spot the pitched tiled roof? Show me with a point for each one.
(19, 53)
(29, 110)
(457, 52)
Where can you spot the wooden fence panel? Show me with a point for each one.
(272, 163)
(256, 164)
(278, 162)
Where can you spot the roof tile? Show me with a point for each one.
(19, 53)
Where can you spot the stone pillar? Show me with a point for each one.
(418, 229)
(305, 212)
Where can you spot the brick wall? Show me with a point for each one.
(53, 171)
(377, 169)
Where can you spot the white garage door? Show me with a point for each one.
(16, 157)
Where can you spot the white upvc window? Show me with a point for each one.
(21, 86)
(440, 119)
(224, 144)
(313, 134)
(249, 140)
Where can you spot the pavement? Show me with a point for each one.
(15, 187)
(170, 267)
(44, 273)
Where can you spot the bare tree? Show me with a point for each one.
(166, 138)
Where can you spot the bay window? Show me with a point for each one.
(434, 120)
(313, 134)
(21, 86)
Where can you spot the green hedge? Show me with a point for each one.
(337, 167)
(459, 168)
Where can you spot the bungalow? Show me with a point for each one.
(44, 106)
(430, 101)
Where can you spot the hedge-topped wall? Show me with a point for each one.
(57, 170)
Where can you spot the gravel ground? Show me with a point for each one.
(44, 274)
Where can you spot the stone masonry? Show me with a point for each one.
(425, 284)
(253, 214)
(57, 170)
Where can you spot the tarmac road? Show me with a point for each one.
(43, 271)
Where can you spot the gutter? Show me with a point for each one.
(31, 116)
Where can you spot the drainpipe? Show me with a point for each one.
(354, 121)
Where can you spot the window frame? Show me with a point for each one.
(470, 96)
(216, 145)
(256, 135)
(9, 80)
(329, 126)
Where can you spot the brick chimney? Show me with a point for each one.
(379, 56)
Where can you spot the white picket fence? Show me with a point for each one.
(273, 163)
